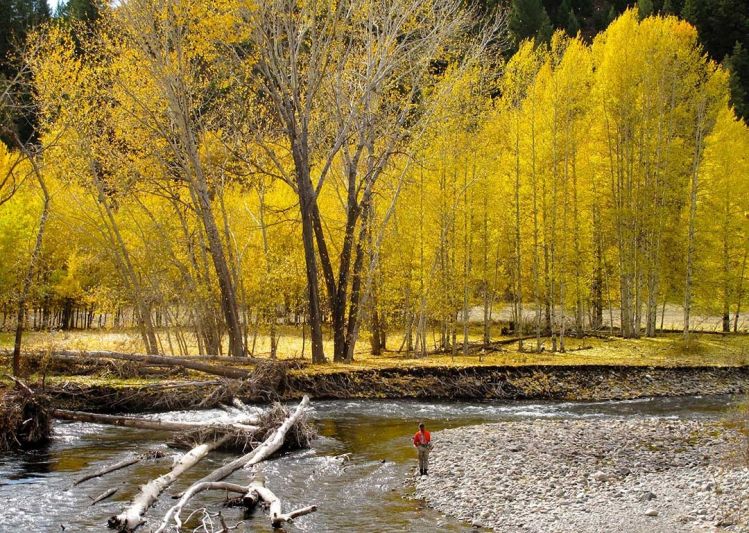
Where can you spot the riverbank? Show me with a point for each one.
(637, 475)
(565, 383)
(592, 369)
(537, 382)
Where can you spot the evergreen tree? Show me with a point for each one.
(573, 25)
(16, 18)
(693, 11)
(645, 8)
(85, 10)
(529, 19)
(738, 65)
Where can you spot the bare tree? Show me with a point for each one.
(164, 37)
(345, 85)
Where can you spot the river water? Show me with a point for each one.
(365, 492)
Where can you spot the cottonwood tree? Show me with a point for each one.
(172, 47)
(15, 101)
(345, 84)
(725, 176)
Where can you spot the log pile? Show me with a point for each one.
(263, 435)
(25, 420)
(255, 435)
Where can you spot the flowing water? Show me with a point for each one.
(364, 491)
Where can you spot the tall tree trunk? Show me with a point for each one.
(694, 188)
(36, 252)
(740, 292)
(142, 310)
(306, 208)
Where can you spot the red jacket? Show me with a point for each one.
(422, 438)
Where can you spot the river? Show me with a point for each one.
(365, 492)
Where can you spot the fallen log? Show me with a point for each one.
(152, 454)
(131, 518)
(104, 495)
(270, 446)
(253, 493)
(155, 360)
(277, 518)
(197, 488)
(145, 423)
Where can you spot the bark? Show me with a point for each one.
(129, 519)
(306, 198)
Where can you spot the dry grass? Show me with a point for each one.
(669, 350)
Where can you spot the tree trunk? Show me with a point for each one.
(130, 519)
(270, 446)
(36, 252)
(192, 364)
(145, 423)
(701, 111)
(739, 292)
(120, 465)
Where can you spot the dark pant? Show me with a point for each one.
(423, 458)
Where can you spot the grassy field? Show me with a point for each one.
(667, 350)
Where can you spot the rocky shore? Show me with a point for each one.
(592, 475)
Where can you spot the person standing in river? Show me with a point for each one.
(423, 445)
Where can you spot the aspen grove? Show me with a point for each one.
(205, 171)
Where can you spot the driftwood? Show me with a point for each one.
(277, 518)
(270, 446)
(25, 419)
(197, 488)
(153, 454)
(104, 495)
(252, 494)
(191, 363)
(129, 519)
(145, 423)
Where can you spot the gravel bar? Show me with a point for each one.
(591, 475)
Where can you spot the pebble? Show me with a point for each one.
(583, 476)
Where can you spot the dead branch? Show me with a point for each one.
(152, 454)
(197, 488)
(129, 519)
(104, 495)
(270, 446)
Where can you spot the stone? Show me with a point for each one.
(651, 512)
(647, 496)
